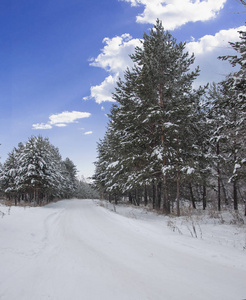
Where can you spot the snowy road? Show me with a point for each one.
(77, 250)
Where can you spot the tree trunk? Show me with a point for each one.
(204, 196)
(166, 202)
(34, 196)
(137, 197)
(115, 199)
(224, 191)
(192, 196)
(235, 198)
(178, 180)
(218, 176)
(158, 193)
(219, 198)
(130, 197)
(134, 198)
(145, 195)
(178, 193)
(154, 194)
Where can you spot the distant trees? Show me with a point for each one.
(227, 107)
(166, 141)
(84, 190)
(35, 172)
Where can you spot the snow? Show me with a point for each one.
(80, 249)
(113, 164)
(188, 170)
(168, 124)
(158, 153)
(237, 166)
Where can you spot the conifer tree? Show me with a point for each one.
(69, 175)
(153, 117)
(234, 90)
(9, 173)
(35, 172)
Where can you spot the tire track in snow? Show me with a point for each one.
(88, 252)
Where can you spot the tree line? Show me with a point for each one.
(166, 141)
(35, 172)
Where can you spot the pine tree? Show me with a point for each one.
(218, 116)
(9, 173)
(234, 90)
(69, 175)
(85, 190)
(36, 172)
(33, 172)
(155, 113)
(102, 163)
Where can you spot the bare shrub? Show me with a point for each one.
(173, 226)
(237, 218)
(193, 226)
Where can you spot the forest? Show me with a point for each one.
(168, 143)
(35, 172)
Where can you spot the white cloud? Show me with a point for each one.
(62, 119)
(114, 58)
(67, 117)
(103, 91)
(175, 13)
(41, 126)
(88, 132)
(208, 48)
(115, 54)
(209, 43)
(60, 125)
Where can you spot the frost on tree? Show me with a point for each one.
(36, 172)
(146, 146)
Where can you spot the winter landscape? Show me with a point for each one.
(142, 198)
(88, 249)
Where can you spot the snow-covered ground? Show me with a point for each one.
(89, 250)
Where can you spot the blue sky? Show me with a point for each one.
(60, 59)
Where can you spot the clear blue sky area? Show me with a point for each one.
(53, 56)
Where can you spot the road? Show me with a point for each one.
(76, 249)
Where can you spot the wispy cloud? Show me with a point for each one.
(41, 126)
(88, 132)
(62, 119)
(68, 117)
(60, 125)
(176, 13)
